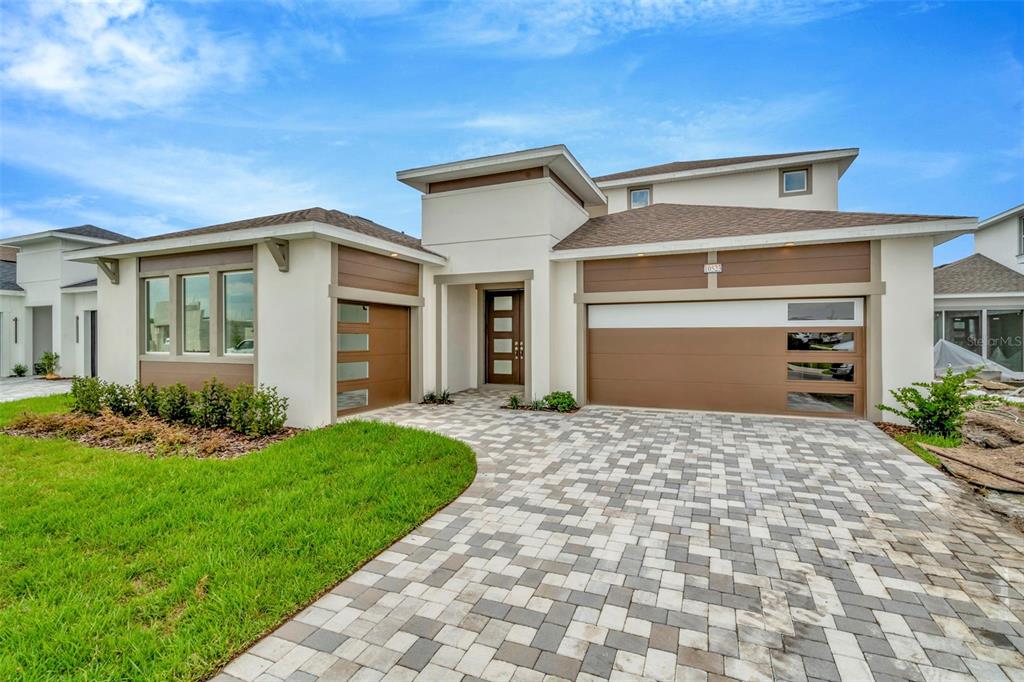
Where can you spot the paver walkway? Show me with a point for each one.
(644, 544)
(16, 388)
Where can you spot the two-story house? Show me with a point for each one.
(48, 303)
(979, 300)
(726, 284)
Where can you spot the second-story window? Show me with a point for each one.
(639, 197)
(795, 181)
(1020, 236)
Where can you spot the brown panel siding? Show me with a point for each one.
(815, 264)
(484, 180)
(241, 256)
(650, 273)
(193, 374)
(365, 270)
(729, 369)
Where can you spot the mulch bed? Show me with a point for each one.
(143, 434)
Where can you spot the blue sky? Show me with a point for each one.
(147, 117)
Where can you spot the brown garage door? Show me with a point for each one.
(373, 356)
(815, 369)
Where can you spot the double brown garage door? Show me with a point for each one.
(372, 356)
(686, 356)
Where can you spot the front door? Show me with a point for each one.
(505, 346)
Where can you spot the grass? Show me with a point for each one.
(911, 439)
(118, 566)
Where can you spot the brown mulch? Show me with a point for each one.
(143, 434)
(893, 430)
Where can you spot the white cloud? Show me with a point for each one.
(551, 28)
(113, 57)
(553, 124)
(191, 184)
(914, 165)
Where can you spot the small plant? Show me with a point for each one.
(940, 412)
(19, 370)
(429, 398)
(538, 405)
(148, 398)
(87, 394)
(268, 412)
(49, 363)
(514, 402)
(561, 401)
(120, 400)
(239, 408)
(442, 398)
(174, 403)
(209, 407)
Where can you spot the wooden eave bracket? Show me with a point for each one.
(111, 267)
(279, 250)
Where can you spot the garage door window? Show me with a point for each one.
(349, 400)
(353, 342)
(352, 371)
(823, 341)
(820, 371)
(814, 311)
(836, 403)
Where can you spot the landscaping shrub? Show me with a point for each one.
(120, 399)
(148, 398)
(442, 398)
(209, 406)
(940, 412)
(538, 405)
(174, 403)
(19, 370)
(239, 409)
(514, 402)
(49, 362)
(87, 395)
(561, 401)
(268, 412)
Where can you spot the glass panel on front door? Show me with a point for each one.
(502, 366)
(502, 345)
(503, 303)
(503, 324)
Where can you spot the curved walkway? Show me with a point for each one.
(643, 544)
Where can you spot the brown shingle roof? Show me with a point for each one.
(681, 222)
(977, 274)
(679, 166)
(95, 233)
(316, 214)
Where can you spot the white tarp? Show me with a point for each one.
(948, 354)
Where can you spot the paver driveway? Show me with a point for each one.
(631, 544)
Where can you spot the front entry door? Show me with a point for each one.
(505, 346)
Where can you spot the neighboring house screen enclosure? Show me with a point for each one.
(997, 335)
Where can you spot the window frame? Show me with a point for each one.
(222, 276)
(181, 316)
(144, 328)
(795, 169)
(638, 188)
(1020, 236)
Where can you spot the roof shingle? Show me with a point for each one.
(977, 274)
(95, 233)
(679, 166)
(9, 276)
(682, 222)
(316, 214)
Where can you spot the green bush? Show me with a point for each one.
(268, 412)
(240, 408)
(87, 395)
(940, 412)
(209, 407)
(538, 405)
(148, 398)
(174, 403)
(120, 400)
(49, 362)
(514, 402)
(561, 401)
(19, 370)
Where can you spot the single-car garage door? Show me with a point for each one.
(372, 356)
(767, 356)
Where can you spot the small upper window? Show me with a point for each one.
(796, 181)
(1020, 236)
(640, 197)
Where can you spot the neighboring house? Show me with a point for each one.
(979, 300)
(728, 284)
(48, 303)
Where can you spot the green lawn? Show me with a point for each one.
(117, 566)
(910, 441)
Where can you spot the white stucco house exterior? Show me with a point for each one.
(721, 284)
(979, 300)
(47, 302)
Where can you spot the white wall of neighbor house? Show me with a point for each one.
(498, 228)
(11, 306)
(295, 345)
(1001, 242)
(118, 324)
(753, 188)
(906, 312)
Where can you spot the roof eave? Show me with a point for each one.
(1008, 213)
(55, 234)
(844, 156)
(254, 235)
(760, 241)
(557, 157)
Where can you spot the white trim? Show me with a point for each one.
(77, 290)
(304, 230)
(11, 292)
(55, 234)
(1008, 213)
(759, 241)
(745, 167)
